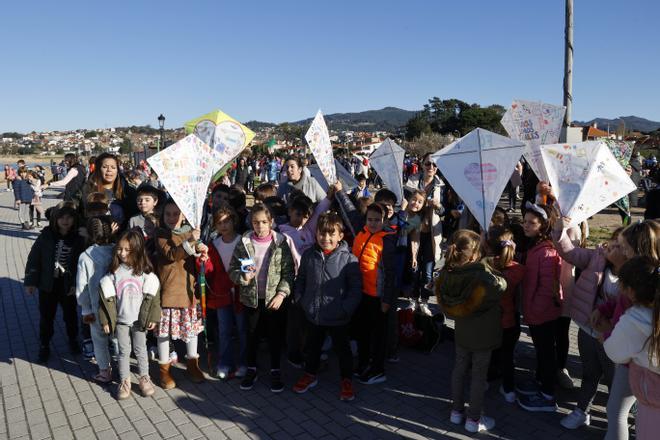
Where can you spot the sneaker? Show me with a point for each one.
(456, 417)
(174, 357)
(222, 373)
(565, 380)
(88, 349)
(124, 389)
(510, 397)
(537, 403)
(241, 372)
(74, 347)
(483, 424)
(393, 359)
(44, 354)
(276, 384)
(306, 382)
(528, 389)
(575, 419)
(424, 309)
(295, 363)
(347, 393)
(371, 378)
(360, 371)
(250, 378)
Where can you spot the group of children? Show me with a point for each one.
(26, 186)
(297, 275)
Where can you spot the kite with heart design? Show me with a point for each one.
(478, 167)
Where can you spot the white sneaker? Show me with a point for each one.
(222, 373)
(174, 358)
(153, 353)
(424, 309)
(510, 397)
(575, 419)
(483, 424)
(456, 417)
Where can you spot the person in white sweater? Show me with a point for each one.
(635, 341)
(92, 266)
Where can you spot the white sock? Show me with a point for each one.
(164, 350)
(191, 348)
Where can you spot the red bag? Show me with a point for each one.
(409, 334)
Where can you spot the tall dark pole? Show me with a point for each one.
(568, 65)
(161, 124)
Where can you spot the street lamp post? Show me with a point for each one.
(161, 124)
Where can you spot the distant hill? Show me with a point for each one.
(634, 123)
(386, 119)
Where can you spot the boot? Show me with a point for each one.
(193, 370)
(124, 389)
(146, 387)
(166, 380)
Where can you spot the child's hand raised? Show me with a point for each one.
(196, 234)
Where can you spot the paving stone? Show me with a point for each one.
(39, 431)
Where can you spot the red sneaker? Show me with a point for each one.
(347, 393)
(306, 382)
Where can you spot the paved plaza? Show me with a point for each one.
(59, 400)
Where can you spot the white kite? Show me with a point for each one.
(318, 139)
(185, 169)
(585, 177)
(478, 167)
(387, 160)
(534, 123)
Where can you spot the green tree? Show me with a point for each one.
(418, 125)
(90, 134)
(126, 146)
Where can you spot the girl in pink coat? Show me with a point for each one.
(542, 306)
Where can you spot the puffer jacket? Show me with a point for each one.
(280, 270)
(92, 266)
(23, 192)
(329, 287)
(591, 262)
(542, 294)
(471, 295)
(376, 255)
(149, 310)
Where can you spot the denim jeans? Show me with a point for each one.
(227, 318)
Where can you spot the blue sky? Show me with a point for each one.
(71, 64)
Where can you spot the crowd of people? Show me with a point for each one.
(305, 269)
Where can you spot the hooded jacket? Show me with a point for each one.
(329, 287)
(280, 270)
(92, 266)
(149, 310)
(471, 294)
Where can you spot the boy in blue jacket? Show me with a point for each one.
(23, 195)
(328, 289)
